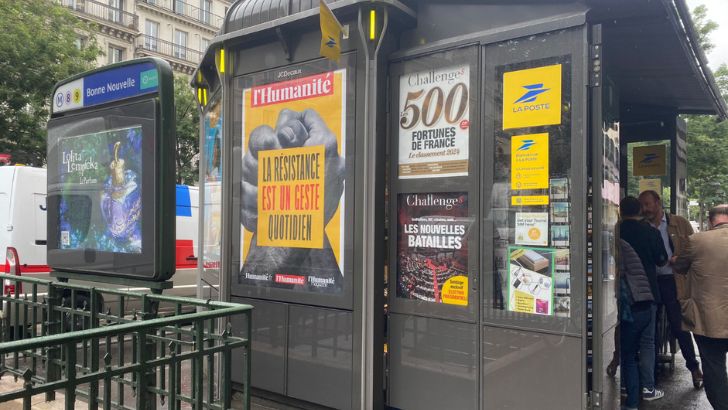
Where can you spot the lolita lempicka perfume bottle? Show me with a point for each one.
(121, 205)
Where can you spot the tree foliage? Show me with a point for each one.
(708, 155)
(707, 148)
(37, 49)
(704, 27)
(188, 125)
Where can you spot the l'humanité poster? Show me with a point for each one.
(293, 183)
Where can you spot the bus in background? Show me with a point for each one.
(23, 229)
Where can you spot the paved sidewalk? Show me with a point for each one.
(678, 388)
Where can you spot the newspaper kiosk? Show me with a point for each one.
(428, 222)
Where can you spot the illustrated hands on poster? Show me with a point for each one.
(293, 130)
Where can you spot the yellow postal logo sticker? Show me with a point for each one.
(532, 97)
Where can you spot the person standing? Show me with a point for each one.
(675, 231)
(705, 307)
(646, 243)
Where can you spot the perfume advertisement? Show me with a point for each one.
(432, 247)
(100, 201)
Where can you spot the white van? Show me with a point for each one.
(23, 230)
(23, 221)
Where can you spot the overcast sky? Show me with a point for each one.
(718, 12)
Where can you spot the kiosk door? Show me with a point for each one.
(534, 197)
(434, 203)
(604, 200)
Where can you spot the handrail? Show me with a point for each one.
(188, 10)
(67, 338)
(167, 48)
(79, 335)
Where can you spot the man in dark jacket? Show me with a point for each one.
(635, 303)
(647, 243)
(674, 232)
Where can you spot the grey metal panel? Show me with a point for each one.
(270, 325)
(320, 356)
(528, 370)
(433, 363)
(439, 20)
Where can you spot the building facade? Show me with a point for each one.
(175, 30)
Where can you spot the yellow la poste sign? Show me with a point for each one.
(532, 97)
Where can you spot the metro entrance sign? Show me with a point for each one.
(107, 86)
(111, 147)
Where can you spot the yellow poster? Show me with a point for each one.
(651, 184)
(530, 161)
(530, 200)
(649, 160)
(293, 178)
(532, 97)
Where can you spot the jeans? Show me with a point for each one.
(713, 352)
(668, 293)
(648, 353)
(631, 334)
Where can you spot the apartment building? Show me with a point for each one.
(175, 30)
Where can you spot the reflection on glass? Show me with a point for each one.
(212, 187)
(648, 168)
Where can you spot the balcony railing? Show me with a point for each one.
(188, 10)
(168, 49)
(103, 12)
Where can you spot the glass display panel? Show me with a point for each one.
(101, 184)
(212, 191)
(294, 183)
(434, 187)
(531, 198)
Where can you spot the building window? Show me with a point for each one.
(80, 42)
(179, 6)
(116, 54)
(180, 44)
(115, 10)
(151, 28)
(204, 43)
(205, 7)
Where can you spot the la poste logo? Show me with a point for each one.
(532, 97)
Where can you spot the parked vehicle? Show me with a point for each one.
(23, 232)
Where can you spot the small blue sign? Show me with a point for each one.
(120, 83)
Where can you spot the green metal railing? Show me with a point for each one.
(109, 348)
